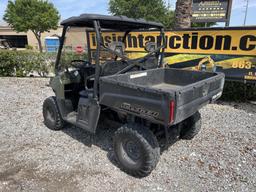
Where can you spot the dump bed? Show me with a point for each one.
(166, 96)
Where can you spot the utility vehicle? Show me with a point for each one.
(4, 44)
(140, 94)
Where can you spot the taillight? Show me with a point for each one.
(171, 111)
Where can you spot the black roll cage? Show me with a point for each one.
(99, 44)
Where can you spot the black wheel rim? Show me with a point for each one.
(132, 150)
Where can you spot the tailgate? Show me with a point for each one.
(192, 97)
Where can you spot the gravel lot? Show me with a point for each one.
(32, 158)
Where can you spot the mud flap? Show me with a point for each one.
(88, 114)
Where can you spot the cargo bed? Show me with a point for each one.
(154, 94)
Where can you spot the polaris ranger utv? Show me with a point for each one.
(140, 94)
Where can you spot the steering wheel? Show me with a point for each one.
(143, 59)
(79, 63)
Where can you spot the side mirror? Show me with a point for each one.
(150, 46)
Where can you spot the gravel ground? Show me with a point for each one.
(32, 158)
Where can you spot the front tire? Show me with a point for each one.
(191, 127)
(51, 113)
(136, 149)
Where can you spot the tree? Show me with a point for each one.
(35, 15)
(151, 10)
(169, 19)
(183, 14)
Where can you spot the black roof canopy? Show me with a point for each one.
(121, 23)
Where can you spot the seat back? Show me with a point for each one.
(112, 67)
(117, 46)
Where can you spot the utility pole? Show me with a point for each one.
(246, 10)
(229, 13)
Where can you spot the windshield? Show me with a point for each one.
(75, 47)
(80, 45)
(131, 45)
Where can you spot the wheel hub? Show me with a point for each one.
(133, 150)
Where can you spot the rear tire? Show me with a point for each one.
(136, 149)
(51, 113)
(191, 126)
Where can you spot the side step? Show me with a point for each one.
(87, 116)
(71, 118)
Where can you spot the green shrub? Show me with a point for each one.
(22, 63)
(68, 57)
(7, 63)
(29, 47)
(237, 91)
(43, 63)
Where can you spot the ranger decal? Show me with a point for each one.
(139, 110)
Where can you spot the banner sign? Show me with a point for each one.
(210, 11)
(229, 50)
